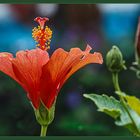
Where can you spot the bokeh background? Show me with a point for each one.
(101, 26)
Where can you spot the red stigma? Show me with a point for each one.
(41, 21)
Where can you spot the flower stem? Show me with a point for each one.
(43, 130)
(117, 88)
(116, 81)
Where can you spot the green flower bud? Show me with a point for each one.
(114, 60)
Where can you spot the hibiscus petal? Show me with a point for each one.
(27, 67)
(87, 58)
(57, 67)
(60, 67)
(78, 59)
(6, 65)
(49, 74)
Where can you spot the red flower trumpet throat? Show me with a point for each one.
(42, 76)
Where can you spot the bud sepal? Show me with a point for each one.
(136, 68)
(45, 116)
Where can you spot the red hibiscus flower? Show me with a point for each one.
(42, 76)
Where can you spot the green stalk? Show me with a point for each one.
(43, 130)
(117, 88)
(116, 81)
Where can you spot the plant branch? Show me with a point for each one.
(117, 88)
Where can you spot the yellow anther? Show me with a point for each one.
(3, 55)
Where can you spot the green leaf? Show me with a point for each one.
(108, 105)
(136, 121)
(134, 103)
(115, 109)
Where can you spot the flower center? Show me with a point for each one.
(42, 34)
